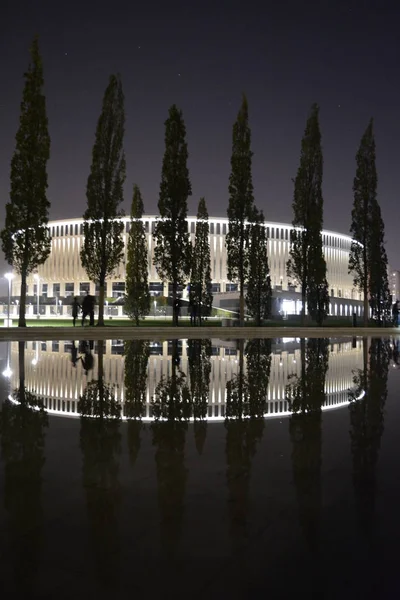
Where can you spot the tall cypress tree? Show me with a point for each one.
(172, 249)
(103, 246)
(258, 297)
(137, 301)
(241, 202)
(200, 279)
(26, 242)
(368, 261)
(306, 265)
(379, 294)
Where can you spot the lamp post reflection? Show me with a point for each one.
(37, 279)
(8, 371)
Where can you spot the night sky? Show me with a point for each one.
(202, 56)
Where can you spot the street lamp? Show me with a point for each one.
(9, 277)
(37, 279)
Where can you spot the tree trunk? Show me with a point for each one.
(22, 301)
(100, 375)
(303, 305)
(174, 307)
(241, 376)
(100, 320)
(241, 303)
(303, 359)
(366, 306)
(21, 369)
(200, 304)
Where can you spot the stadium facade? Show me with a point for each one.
(62, 275)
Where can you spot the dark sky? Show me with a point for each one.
(202, 56)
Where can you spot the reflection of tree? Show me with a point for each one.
(199, 353)
(171, 409)
(22, 428)
(306, 395)
(245, 406)
(100, 442)
(367, 423)
(137, 354)
(258, 354)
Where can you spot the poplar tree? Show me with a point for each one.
(258, 297)
(368, 260)
(241, 203)
(306, 265)
(172, 249)
(137, 300)
(200, 279)
(103, 246)
(25, 239)
(379, 293)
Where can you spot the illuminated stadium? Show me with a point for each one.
(62, 275)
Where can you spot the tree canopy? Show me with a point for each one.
(241, 202)
(103, 245)
(172, 249)
(26, 241)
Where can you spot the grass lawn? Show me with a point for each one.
(111, 323)
(185, 322)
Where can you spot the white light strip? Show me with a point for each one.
(214, 220)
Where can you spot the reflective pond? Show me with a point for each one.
(200, 468)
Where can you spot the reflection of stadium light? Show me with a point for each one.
(7, 372)
(34, 362)
(361, 396)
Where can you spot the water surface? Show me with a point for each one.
(200, 467)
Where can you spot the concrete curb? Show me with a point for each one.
(169, 333)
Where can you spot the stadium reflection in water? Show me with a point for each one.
(58, 373)
(105, 507)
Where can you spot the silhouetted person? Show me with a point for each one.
(192, 311)
(74, 354)
(88, 309)
(87, 359)
(177, 307)
(75, 309)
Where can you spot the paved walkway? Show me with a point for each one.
(184, 332)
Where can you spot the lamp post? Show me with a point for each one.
(9, 277)
(37, 279)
